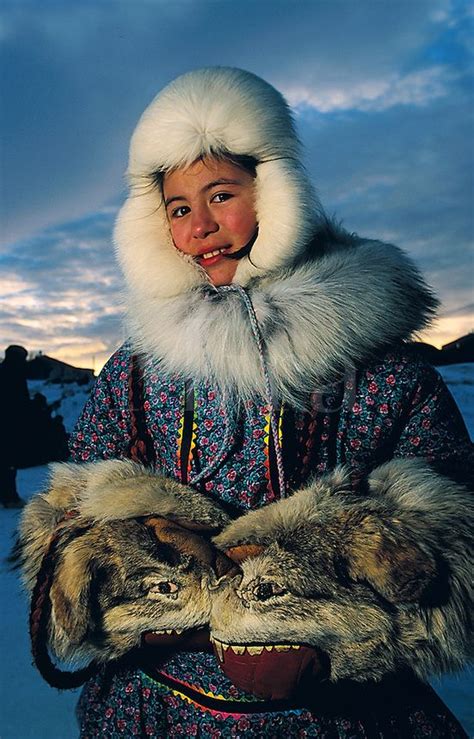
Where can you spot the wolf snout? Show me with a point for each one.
(224, 566)
(232, 579)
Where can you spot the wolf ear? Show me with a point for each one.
(70, 596)
(390, 560)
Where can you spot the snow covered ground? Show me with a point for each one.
(460, 380)
(29, 707)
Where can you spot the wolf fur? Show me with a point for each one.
(118, 575)
(377, 581)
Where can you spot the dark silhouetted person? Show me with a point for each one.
(48, 440)
(14, 404)
(38, 448)
(59, 440)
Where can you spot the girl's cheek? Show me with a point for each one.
(241, 220)
(177, 234)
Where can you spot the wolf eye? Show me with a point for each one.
(164, 588)
(267, 590)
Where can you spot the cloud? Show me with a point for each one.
(404, 176)
(63, 291)
(416, 89)
(463, 310)
(77, 76)
(445, 330)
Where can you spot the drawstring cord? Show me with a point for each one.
(268, 391)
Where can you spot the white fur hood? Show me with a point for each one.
(324, 300)
(213, 111)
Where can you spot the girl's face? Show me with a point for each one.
(210, 208)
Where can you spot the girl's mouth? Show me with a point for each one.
(211, 257)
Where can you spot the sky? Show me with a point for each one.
(381, 89)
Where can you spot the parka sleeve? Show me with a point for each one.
(435, 430)
(103, 429)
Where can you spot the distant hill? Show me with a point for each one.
(43, 367)
(459, 351)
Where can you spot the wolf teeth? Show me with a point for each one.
(240, 649)
(222, 647)
(254, 650)
(219, 650)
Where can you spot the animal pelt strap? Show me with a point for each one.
(40, 612)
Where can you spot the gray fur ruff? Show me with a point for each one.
(318, 320)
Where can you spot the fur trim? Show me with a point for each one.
(121, 489)
(375, 581)
(213, 111)
(318, 321)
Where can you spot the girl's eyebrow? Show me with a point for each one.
(209, 186)
(222, 181)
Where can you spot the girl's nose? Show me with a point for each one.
(203, 223)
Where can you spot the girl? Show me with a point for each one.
(267, 345)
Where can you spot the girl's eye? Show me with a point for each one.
(180, 212)
(221, 197)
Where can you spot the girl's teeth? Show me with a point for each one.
(211, 254)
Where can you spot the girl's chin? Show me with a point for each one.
(221, 273)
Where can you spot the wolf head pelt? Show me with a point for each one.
(376, 579)
(130, 560)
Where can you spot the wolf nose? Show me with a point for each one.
(213, 582)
